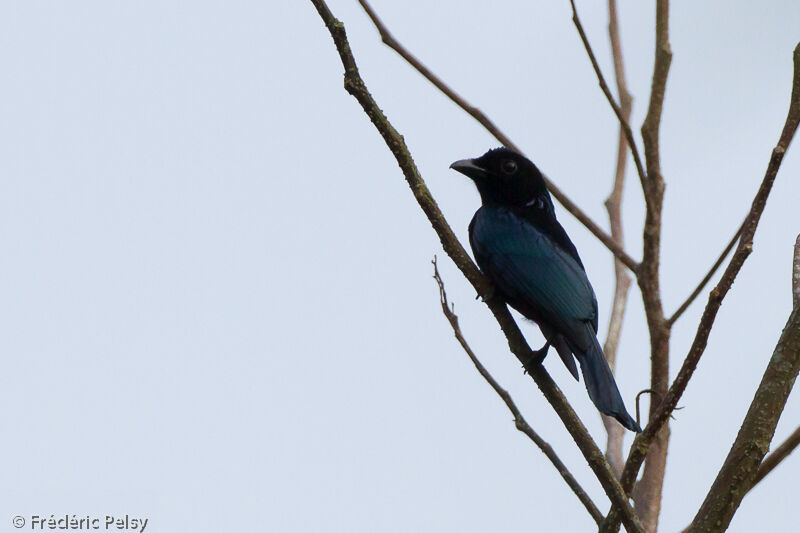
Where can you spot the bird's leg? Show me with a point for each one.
(537, 356)
(540, 354)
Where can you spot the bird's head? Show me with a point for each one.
(507, 178)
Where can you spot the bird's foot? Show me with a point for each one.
(488, 295)
(537, 357)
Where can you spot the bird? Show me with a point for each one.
(527, 255)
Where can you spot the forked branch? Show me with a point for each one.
(779, 454)
(741, 468)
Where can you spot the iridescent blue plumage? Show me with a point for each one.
(519, 244)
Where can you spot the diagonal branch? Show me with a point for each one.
(519, 421)
(741, 468)
(703, 282)
(792, 441)
(642, 442)
(389, 40)
(623, 120)
(778, 455)
(622, 280)
(517, 343)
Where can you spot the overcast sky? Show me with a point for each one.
(217, 305)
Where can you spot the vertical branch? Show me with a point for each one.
(613, 203)
(647, 496)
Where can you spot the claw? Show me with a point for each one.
(537, 356)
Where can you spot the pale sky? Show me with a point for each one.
(217, 305)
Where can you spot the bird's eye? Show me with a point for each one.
(509, 166)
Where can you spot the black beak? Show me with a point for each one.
(469, 169)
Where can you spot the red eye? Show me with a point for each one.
(509, 166)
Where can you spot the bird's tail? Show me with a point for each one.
(602, 388)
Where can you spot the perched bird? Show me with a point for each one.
(535, 268)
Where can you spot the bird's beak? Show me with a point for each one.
(469, 169)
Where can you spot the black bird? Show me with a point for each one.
(524, 251)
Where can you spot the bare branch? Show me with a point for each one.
(703, 282)
(519, 421)
(388, 39)
(647, 496)
(739, 472)
(796, 274)
(516, 341)
(623, 121)
(622, 280)
(643, 441)
(779, 454)
(773, 459)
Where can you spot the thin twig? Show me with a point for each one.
(354, 84)
(519, 421)
(643, 441)
(703, 282)
(796, 274)
(622, 280)
(638, 397)
(623, 121)
(779, 454)
(388, 39)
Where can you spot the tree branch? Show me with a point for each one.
(643, 441)
(796, 275)
(388, 39)
(517, 343)
(792, 441)
(741, 468)
(622, 280)
(519, 421)
(779, 454)
(703, 282)
(647, 496)
(623, 120)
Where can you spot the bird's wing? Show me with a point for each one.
(530, 269)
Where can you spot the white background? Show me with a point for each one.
(217, 308)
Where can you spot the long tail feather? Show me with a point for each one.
(601, 386)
